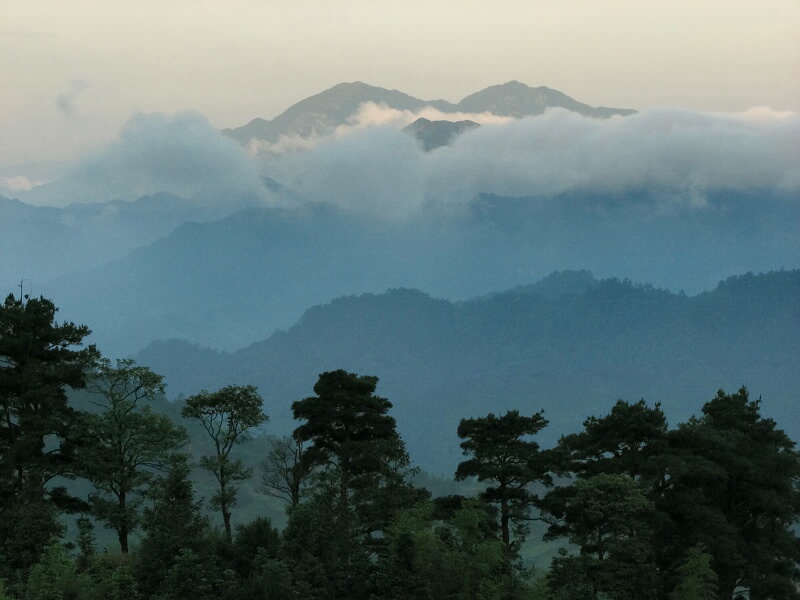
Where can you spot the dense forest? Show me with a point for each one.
(703, 510)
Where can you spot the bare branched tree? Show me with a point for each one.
(283, 474)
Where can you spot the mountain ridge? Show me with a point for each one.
(321, 113)
(224, 283)
(570, 354)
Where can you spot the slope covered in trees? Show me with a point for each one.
(567, 344)
(706, 509)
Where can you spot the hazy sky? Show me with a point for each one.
(72, 72)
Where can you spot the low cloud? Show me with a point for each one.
(668, 159)
(17, 183)
(375, 170)
(371, 114)
(180, 154)
(673, 157)
(671, 152)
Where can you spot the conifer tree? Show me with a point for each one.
(503, 453)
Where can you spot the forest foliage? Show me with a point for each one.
(707, 509)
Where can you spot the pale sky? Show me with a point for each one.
(72, 72)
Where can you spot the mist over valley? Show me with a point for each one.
(399, 300)
(225, 240)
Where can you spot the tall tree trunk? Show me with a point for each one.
(504, 525)
(122, 534)
(223, 502)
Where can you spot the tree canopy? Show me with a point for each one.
(227, 416)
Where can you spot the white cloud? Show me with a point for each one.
(18, 183)
(672, 156)
(371, 114)
(667, 158)
(181, 154)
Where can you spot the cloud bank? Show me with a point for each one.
(371, 166)
(674, 156)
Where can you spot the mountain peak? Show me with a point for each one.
(517, 100)
(321, 113)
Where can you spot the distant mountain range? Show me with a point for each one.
(39, 243)
(229, 282)
(322, 113)
(569, 344)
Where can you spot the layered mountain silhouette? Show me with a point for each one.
(230, 282)
(322, 113)
(39, 243)
(570, 344)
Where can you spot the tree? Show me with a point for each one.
(733, 487)
(698, 581)
(125, 443)
(283, 473)
(37, 364)
(443, 549)
(628, 440)
(360, 481)
(503, 453)
(174, 523)
(608, 517)
(54, 577)
(227, 415)
(39, 361)
(325, 551)
(251, 538)
(350, 431)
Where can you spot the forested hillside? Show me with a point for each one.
(568, 344)
(643, 510)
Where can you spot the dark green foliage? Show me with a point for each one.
(258, 536)
(27, 526)
(645, 496)
(325, 550)
(54, 577)
(37, 364)
(196, 575)
(608, 517)
(361, 466)
(504, 455)
(697, 580)
(124, 443)
(269, 579)
(734, 488)
(114, 578)
(86, 544)
(628, 440)
(174, 523)
(349, 429)
(455, 557)
(571, 578)
(227, 415)
(354, 447)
